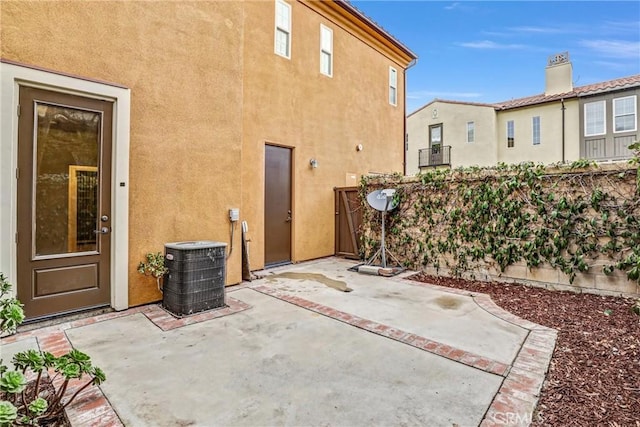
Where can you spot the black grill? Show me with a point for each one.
(195, 281)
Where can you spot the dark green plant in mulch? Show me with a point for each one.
(635, 308)
(24, 402)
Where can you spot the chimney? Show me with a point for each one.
(559, 74)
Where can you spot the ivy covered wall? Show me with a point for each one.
(570, 226)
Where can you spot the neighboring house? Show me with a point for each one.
(126, 125)
(596, 121)
(609, 118)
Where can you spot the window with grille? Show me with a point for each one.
(326, 51)
(594, 118)
(393, 86)
(471, 131)
(283, 29)
(624, 114)
(535, 130)
(511, 142)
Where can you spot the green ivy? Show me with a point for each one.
(568, 217)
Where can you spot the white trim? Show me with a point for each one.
(473, 129)
(635, 113)
(285, 28)
(533, 130)
(604, 118)
(13, 76)
(326, 49)
(513, 125)
(393, 84)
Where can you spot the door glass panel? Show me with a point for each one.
(66, 199)
(436, 135)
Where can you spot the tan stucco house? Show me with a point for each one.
(563, 124)
(127, 125)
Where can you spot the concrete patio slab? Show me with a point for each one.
(277, 364)
(292, 349)
(448, 318)
(7, 351)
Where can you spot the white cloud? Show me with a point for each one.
(613, 65)
(425, 94)
(459, 6)
(618, 27)
(496, 34)
(614, 48)
(541, 30)
(488, 44)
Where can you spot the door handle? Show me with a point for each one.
(288, 216)
(103, 230)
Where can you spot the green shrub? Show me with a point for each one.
(35, 407)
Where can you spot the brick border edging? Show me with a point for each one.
(518, 394)
(91, 408)
(468, 358)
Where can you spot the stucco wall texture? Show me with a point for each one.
(550, 148)
(490, 146)
(454, 118)
(207, 93)
(288, 102)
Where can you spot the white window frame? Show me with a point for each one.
(635, 114)
(535, 130)
(471, 127)
(284, 27)
(326, 49)
(393, 86)
(511, 133)
(604, 118)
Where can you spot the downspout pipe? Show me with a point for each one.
(563, 109)
(405, 137)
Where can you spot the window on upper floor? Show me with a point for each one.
(326, 51)
(283, 29)
(471, 131)
(511, 131)
(624, 114)
(594, 118)
(535, 130)
(393, 86)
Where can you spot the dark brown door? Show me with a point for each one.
(348, 221)
(277, 205)
(64, 202)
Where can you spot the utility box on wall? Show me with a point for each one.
(195, 281)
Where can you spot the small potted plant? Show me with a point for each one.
(154, 266)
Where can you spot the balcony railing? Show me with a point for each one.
(438, 155)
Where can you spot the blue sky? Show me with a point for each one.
(481, 51)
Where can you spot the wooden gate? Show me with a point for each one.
(348, 222)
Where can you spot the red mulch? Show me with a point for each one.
(594, 375)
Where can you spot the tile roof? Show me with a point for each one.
(610, 85)
(533, 100)
(448, 101)
(592, 89)
(346, 4)
(579, 91)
